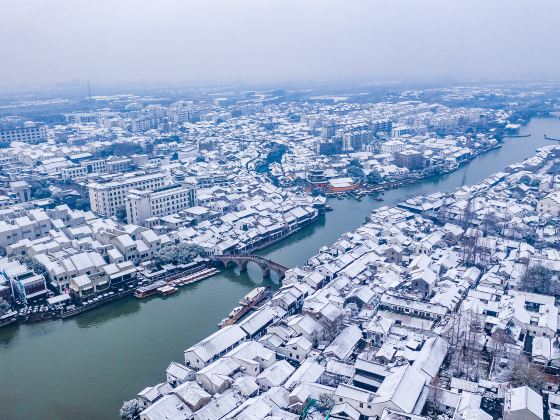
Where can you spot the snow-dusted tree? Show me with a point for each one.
(465, 336)
(326, 401)
(4, 306)
(539, 279)
(331, 329)
(526, 373)
(129, 410)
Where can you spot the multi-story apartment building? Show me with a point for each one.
(411, 159)
(30, 133)
(82, 117)
(84, 168)
(24, 283)
(146, 123)
(106, 198)
(142, 205)
(117, 164)
(392, 146)
(381, 125)
(550, 204)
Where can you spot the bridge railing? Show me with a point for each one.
(254, 258)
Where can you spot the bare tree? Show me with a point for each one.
(541, 280)
(526, 373)
(326, 401)
(465, 348)
(331, 329)
(490, 223)
(499, 347)
(443, 213)
(468, 215)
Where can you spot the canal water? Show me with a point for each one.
(86, 366)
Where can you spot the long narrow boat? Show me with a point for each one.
(149, 290)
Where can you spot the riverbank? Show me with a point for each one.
(44, 312)
(415, 177)
(49, 312)
(84, 367)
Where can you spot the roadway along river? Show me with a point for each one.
(86, 366)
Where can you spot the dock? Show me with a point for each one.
(252, 299)
(194, 277)
(169, 286)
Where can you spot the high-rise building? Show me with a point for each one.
(381, 125)
(106, 198)
(29, 133)
(410, 159)
(142, 205)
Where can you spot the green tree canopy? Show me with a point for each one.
(374, 177)
(34, 265)
(121, 214)
(4, 307)
(182, 253)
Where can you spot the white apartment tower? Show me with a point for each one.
(30, 133)
(142, 205)
(106, 198)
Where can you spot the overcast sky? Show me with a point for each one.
(43, 41)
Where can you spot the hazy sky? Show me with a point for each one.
(282, 40)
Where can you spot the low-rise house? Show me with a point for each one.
(178, 374)
(369, 374)
(275, 375)
(430, 358)
(151, 394)
(217, 377)
(220, 406)
(403, 391)
(24, 284)
(192, 395)
(168, 407)
(213, 347)
(523, 404)
(296, 349)
(343, 345)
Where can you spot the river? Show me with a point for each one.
(86, 366)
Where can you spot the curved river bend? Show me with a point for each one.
(86, 366)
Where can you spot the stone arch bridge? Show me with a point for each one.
(241, 260)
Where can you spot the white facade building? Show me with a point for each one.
(141, 205)
(31, 133)
(106, 198)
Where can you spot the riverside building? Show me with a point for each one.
(144, 204)
(106, 198)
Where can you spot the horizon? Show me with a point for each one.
(266, 42)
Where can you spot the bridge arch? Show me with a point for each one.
(242, 260)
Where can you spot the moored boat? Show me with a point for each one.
(145, 291)
(166, 290)
(253, 297)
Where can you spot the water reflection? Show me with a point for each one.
(9, 333)
(124, 308)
